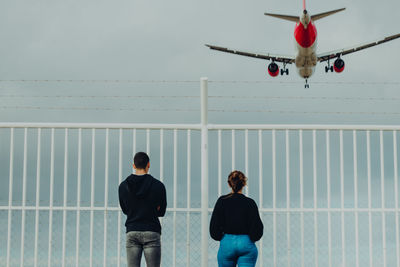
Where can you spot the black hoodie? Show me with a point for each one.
(139, 198)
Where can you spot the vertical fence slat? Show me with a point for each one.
(301, 195)
(219, 164)
(369, 198)
(175, 196)
(396, 196)
(134, 146)
(10, 194)
(233, 150)
(51, 197)
(119, 212)
(246, 157)
(38, 156)
(328, 182)
(188, 191)
(260, 187)
(92, 181)
(106, 198)
(382, 161)
(134, 142)
(355, 171)
(161, 163)
(260, 168)
(78, 197)
(161, 156)
(288, 232)
(204, 171)
(342, 198)
(24, 197)
(148, 142)
(315, 188)
(64, 233)
(274, 196)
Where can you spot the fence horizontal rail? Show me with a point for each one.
(86, 208)
(301, 127)
(262, 210)
(100, 126)
(198, 126)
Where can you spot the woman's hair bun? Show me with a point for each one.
(237, 180)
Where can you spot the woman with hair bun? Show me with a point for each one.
(236, 223)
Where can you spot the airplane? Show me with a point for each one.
(305, 34)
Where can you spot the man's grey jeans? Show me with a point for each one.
(147, 242)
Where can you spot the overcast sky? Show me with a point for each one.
(164, 40)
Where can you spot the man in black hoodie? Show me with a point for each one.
(143, 199)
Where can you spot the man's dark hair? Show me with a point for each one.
(141, 160)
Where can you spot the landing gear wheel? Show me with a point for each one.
(306, 85)
(284, 70)
(328, 68)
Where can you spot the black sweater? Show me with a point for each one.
(236, 214)
(139, 198)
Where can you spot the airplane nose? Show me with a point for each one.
(305, 12)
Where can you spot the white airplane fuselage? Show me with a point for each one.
(305, 36)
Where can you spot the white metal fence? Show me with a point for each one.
(328, 195)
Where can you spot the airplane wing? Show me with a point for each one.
(276, 58)
(333, 54)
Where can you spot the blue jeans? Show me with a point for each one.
(237, 249)
(143, 242)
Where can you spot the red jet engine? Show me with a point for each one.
(273, 69)
(338, 65)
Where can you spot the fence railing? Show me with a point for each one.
(327, 194)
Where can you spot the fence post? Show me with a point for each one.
(204, 172)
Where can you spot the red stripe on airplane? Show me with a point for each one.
(305, 37)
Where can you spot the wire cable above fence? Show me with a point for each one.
(100, 81)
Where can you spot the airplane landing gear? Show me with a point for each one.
(329, 67)
(306, 85)
(284, 70)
